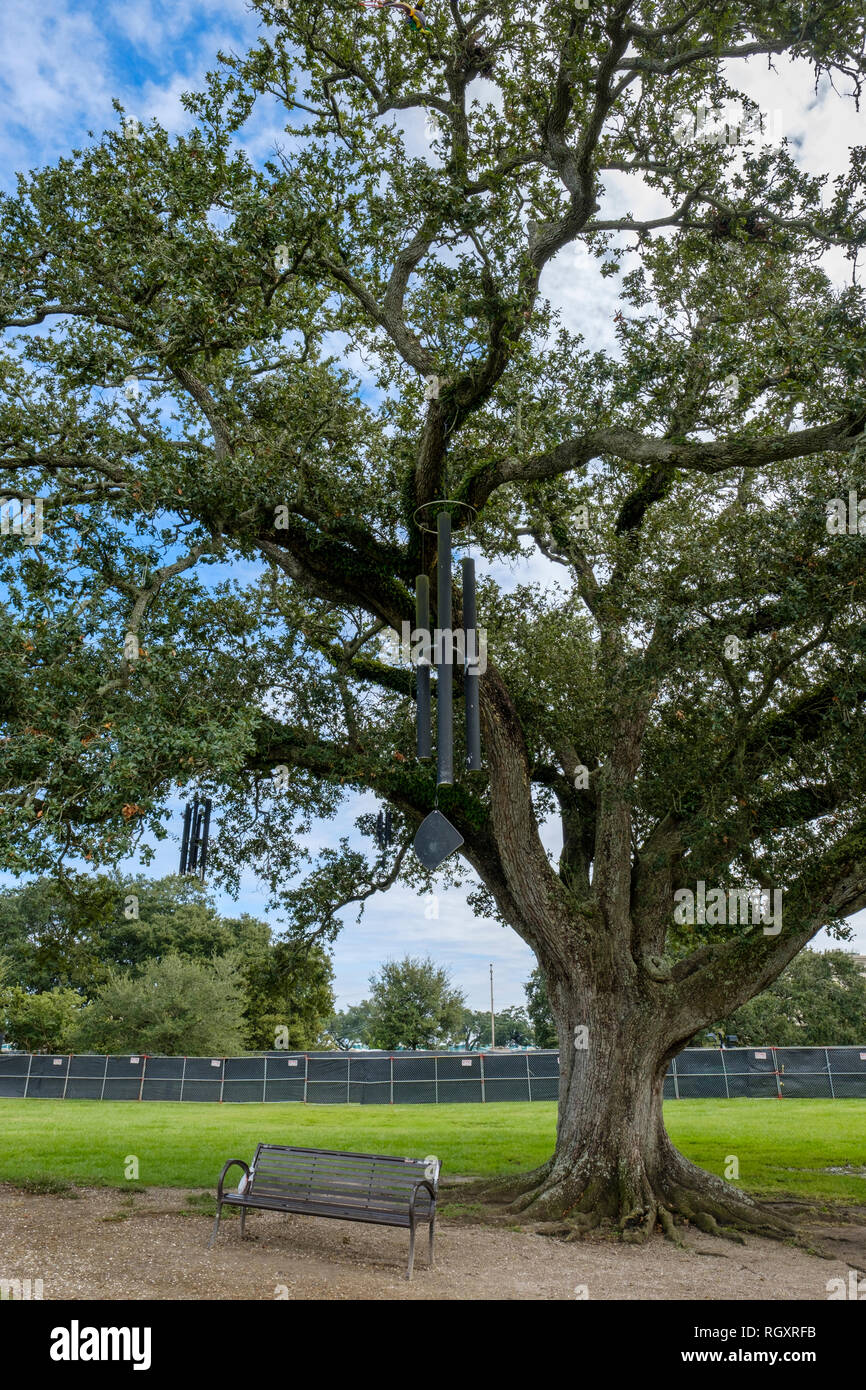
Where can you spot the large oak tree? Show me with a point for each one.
(230, 509)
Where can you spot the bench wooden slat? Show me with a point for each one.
(318, 1175)
(341, 1154)
(293, 1175)
(374, 1217)
(388, 1175)
(333, 1188)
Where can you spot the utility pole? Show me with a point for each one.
(492, 1020)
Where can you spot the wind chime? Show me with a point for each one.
(437, 837)
(384, 830)
(196, 831)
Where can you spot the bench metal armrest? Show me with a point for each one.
(226, 1167)
(430, 1188)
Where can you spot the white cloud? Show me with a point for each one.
(53, 74)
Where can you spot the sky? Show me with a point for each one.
(60, 69)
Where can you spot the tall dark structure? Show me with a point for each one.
(444, 656)
(384, 830)
(436, 837)
(196, 831)
(422, 678)
(472, 661)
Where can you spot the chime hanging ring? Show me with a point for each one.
(464, 520)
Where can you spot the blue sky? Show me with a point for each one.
(60, 68)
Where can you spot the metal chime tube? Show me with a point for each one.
(184, 847)
(422, 678)
(444, 665)
(195, 836)
(202, 863)
(470, 675)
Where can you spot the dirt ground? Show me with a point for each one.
(107, 1244)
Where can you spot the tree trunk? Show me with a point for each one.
(621, 1012)
(613, 1161)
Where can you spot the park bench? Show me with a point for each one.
(347, 1186)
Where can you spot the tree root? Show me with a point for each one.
(669, 1229)
(705, 1221)
(637, 1225)
(581, 1224)
(509, 1190)
(719, 1209)
(633, 1206)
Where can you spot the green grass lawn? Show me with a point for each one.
(782, 1146)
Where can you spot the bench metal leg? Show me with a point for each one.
(432, 1233)
(243, 1221)
(216, 1226)
(411, 1252)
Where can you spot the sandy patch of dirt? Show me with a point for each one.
(109, 1244)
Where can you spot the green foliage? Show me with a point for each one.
(65, 937)
(51, 933)
(288, 998)
(44, 1185)
(175, 1006)
(350, 1027)
(513, 1029)
(46, 1022)
(538, 1009)
(413, 1005)
(70, 931)
(819, 1001)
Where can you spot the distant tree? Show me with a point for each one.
(45, 1022)
(289, 998)
(513, 1029)
(69, 932)
(175, 1006)
(469, 1032)
(413, 1005)
(351, 1026)
(539, 1011)
(177, 916)
(819, 1001)
(51, 932)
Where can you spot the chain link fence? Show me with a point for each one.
(375, 1078)
(796, 1072)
